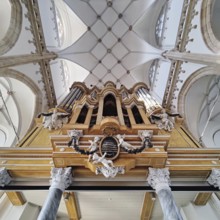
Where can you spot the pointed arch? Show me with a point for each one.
(23, 85)
(14, 29)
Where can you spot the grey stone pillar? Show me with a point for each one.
(5, 179)
(159, 179)
(61, 179)
(214, 178)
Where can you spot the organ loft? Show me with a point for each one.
(108, 139)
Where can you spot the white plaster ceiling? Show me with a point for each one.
(112, 48)
(68, 22)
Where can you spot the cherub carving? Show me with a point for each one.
(106, 163)
(123, 143)
(54, 120)
(164, 120)
(93, 146)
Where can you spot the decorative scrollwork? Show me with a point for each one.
(110, 173)
(214, 178)
(109, 131)
(159, 178)
(5, 178)
(145, 136)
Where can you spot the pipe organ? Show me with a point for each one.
(102, 134)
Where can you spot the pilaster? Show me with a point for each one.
(131, 116)
(100, 111)
(119, 110)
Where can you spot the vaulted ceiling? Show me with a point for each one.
(114, 47)
(102, 40)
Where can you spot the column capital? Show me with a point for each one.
(159, 178)
(5, 178)
(214, 178)
(61, 178)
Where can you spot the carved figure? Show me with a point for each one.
(93, 146)
(106, 163)
(146, 136)
(164, 120)
(74, 134)
(54, 120)
(123, 143)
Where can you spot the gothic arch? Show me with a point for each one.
(208, 32)
(28, 82)
(14, 29)
(206, 71)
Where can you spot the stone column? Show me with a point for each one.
(61, 179)
(5, 179)
(159, 179)
(214, 178)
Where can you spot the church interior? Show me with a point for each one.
(109, 109)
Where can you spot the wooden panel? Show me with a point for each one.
(174, 152)
(30, 173)
(202, 198)
(150, 158)
(71, 206)
(180, 139)
(25, 152)
(148, 205)
(196, 161)
(43, 138)
(86, 173)
(16, 198)
(190, 173)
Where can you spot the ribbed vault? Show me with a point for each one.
(111, 49)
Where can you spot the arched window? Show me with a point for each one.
(110, 108)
